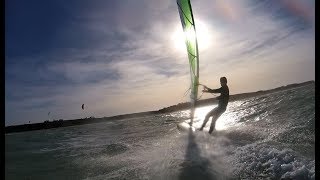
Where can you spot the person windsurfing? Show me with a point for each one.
(222, 105)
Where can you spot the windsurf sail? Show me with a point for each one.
(188, 25)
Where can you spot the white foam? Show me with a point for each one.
(286, 167)
(264, 161)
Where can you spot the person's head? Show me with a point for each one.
(223, 81)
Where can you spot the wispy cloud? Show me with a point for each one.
(118, 56)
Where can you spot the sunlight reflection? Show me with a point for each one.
(229, 118)
(226, 120)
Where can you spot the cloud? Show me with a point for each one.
(119, 58)
(293, 12)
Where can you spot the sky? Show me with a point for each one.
(124, 56)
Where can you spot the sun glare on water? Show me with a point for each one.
(225, 121)
(203, 37)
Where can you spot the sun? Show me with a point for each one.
(203, 37)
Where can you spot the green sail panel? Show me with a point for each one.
(188, 25)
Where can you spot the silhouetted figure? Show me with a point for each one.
(222, 106)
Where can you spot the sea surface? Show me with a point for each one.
(265, 137)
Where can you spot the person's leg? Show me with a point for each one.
(213, 122)
(206, 119)
(214, 119)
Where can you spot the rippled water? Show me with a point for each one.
(269, 136)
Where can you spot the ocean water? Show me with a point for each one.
(265, 137)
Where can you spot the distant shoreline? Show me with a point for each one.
(178, 107)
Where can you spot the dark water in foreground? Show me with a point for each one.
(265, 137)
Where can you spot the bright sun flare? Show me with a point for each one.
(203, 37)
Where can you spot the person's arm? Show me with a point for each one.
(212, 90)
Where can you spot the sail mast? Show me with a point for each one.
(188, 25)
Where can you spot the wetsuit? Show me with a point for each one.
(223, 98)
(222, 106)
